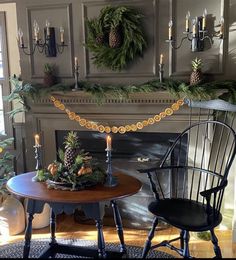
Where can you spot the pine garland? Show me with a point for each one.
(128, 22)
(23, 92)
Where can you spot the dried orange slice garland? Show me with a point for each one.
(117, 129)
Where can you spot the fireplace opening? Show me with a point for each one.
(130, 151)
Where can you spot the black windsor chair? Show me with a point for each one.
(204, 153)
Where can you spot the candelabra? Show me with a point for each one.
(48, 46)
(198, 35)
(111, 181)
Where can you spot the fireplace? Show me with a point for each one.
(130, 149)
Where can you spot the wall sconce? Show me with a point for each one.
(198, 34)
(48, 46)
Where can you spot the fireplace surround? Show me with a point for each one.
(149, 143)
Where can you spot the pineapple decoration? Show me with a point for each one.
(49, 78)
(71, 149)
(75, 169)
(196, 75)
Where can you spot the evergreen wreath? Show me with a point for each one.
(116, 37)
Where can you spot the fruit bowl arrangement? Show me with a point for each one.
(75, 170)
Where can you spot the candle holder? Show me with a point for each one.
(111, 181)
(37, 150)
(197, 36)
(76, 74)
(48, 45)
(161, 72)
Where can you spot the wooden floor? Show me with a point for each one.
(68, 228)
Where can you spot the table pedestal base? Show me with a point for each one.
(91, 210)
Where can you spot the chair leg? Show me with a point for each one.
(149, 239)
(214, 241)
(182, 239)
(186, 237)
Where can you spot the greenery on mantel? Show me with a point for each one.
(22, 92)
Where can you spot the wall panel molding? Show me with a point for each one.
(70, 41)
(86, 5)
(222, 47)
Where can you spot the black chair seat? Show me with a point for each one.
(184, 214)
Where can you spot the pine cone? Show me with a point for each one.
(115, 38)
(100, 39)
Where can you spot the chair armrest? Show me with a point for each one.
(207, 193)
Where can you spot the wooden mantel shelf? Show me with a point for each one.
(81, 97)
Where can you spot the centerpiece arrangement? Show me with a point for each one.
(75, 169)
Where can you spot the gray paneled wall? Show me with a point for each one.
(72, 15)
(58, 15)
(213, 56)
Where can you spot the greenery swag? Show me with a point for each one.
(116, 37)
(24, 92)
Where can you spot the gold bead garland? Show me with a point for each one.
(118, 129)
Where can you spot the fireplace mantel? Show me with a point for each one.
(45, 119)
(83, 98)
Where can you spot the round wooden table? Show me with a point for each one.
(91, 201)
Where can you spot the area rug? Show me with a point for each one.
(15, 250)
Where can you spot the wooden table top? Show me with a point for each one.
(23, 186)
